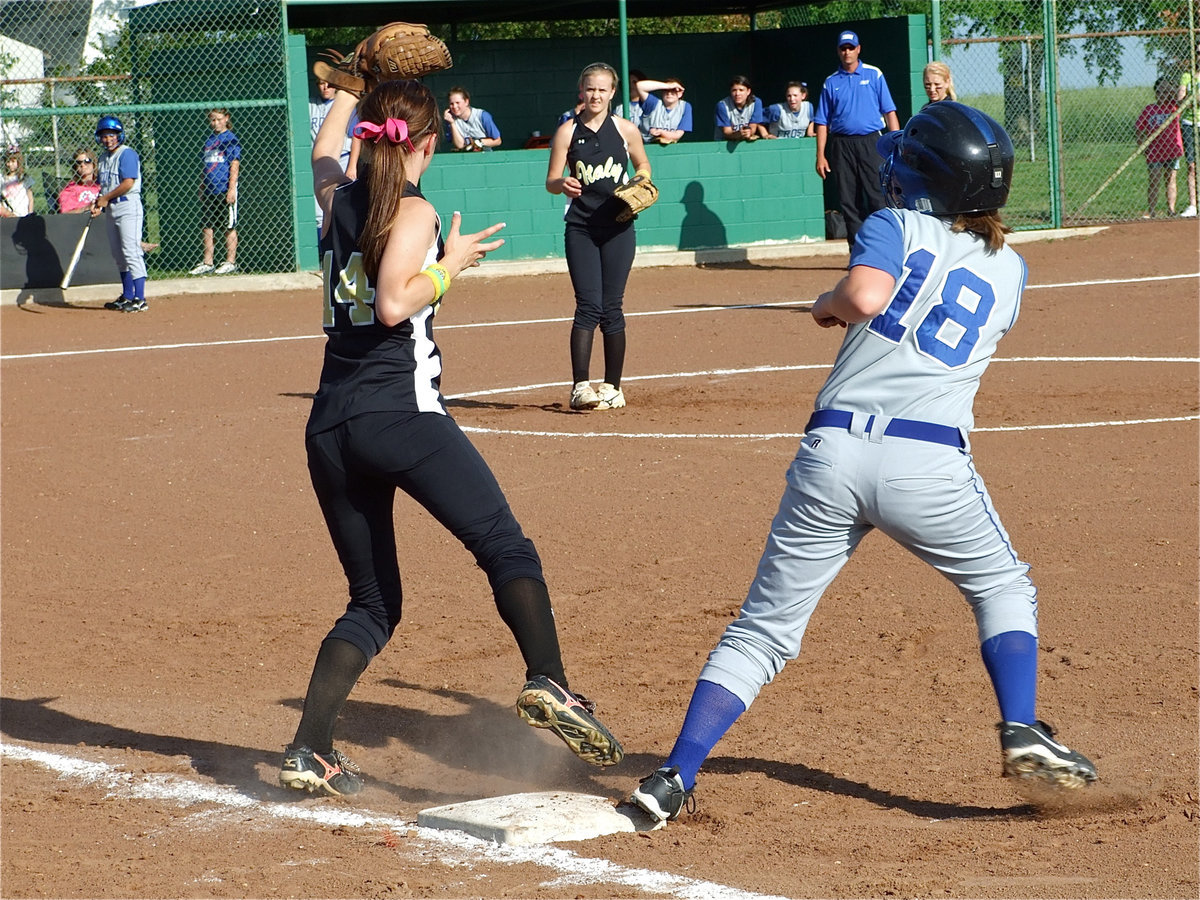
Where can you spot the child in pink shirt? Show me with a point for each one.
(1165, 147)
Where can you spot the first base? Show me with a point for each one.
(537, 818)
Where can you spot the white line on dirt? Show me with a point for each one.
(453, 847)
(549, 321)
(750, 370)
(794, 435)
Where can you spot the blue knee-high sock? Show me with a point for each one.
(1011, 661)
(139, 288)
(710, 714)
(127, 285)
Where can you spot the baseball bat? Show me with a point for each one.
(66, 279)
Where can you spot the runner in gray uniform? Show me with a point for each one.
(120, 176)
(932, 288)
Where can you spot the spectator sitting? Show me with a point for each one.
(939, 82)
(18, 187)
(79, 195)
(793, 117)
(739, 117)
(642, 100)
(671, 118)
(468, 128)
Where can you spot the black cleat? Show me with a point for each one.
(1030, 752)
(331, 772)
(662, 796)
(544, 704)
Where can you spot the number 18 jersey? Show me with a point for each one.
(923, 355)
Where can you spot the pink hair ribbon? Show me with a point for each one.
(395, 129)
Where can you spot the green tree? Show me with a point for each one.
(1021, 61)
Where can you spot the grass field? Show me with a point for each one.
(1097, 131)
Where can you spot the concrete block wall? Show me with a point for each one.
(709, 196)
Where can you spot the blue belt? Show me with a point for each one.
(905, 428)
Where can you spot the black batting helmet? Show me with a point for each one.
(950, 158)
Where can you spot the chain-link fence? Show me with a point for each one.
(1070, 102)
(161, 69)
(1080, 156)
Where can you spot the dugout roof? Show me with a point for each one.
(372, 13)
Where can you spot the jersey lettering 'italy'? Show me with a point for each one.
(599, 159)
(369, 366)
(923, 355)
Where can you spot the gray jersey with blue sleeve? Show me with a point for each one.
(923, 355)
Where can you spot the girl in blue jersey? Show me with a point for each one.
(379, 423)
(739, 117)
(932, 289)
(594, 147)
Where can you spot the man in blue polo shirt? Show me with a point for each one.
(855, 105)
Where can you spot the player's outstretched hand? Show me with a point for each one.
(466, 250)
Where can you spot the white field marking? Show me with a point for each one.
(1069, 284)
(794, 435)
(321, 334)
(556, 320)
(454, 848)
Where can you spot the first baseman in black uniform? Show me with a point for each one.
(379, 423)
(594, 147)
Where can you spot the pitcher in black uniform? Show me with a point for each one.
(594, 148)
(379, 423)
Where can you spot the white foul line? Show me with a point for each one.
(547, 321)
(454, 847)
(794, 435)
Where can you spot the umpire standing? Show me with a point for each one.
(854, 106)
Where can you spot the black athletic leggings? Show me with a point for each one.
(356, 468)
(599, 259)
(855, 163)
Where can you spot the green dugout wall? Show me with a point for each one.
(712, 194)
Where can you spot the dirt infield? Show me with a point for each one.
(167, 578)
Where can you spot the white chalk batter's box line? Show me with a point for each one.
(453, 848)
(800, 304)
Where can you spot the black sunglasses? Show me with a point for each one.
(80, 162)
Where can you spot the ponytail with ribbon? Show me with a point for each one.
(396, 131)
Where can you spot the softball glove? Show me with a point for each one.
(636, 195)
(397, 50)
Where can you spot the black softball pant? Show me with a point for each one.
(855, 163)
(356, 468)
(599, 259)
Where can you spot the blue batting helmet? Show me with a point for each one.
(949, 159)
(110, 123)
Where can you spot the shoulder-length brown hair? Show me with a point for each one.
(987, 225)
(387, 163)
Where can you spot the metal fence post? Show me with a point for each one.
(1053, 138)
